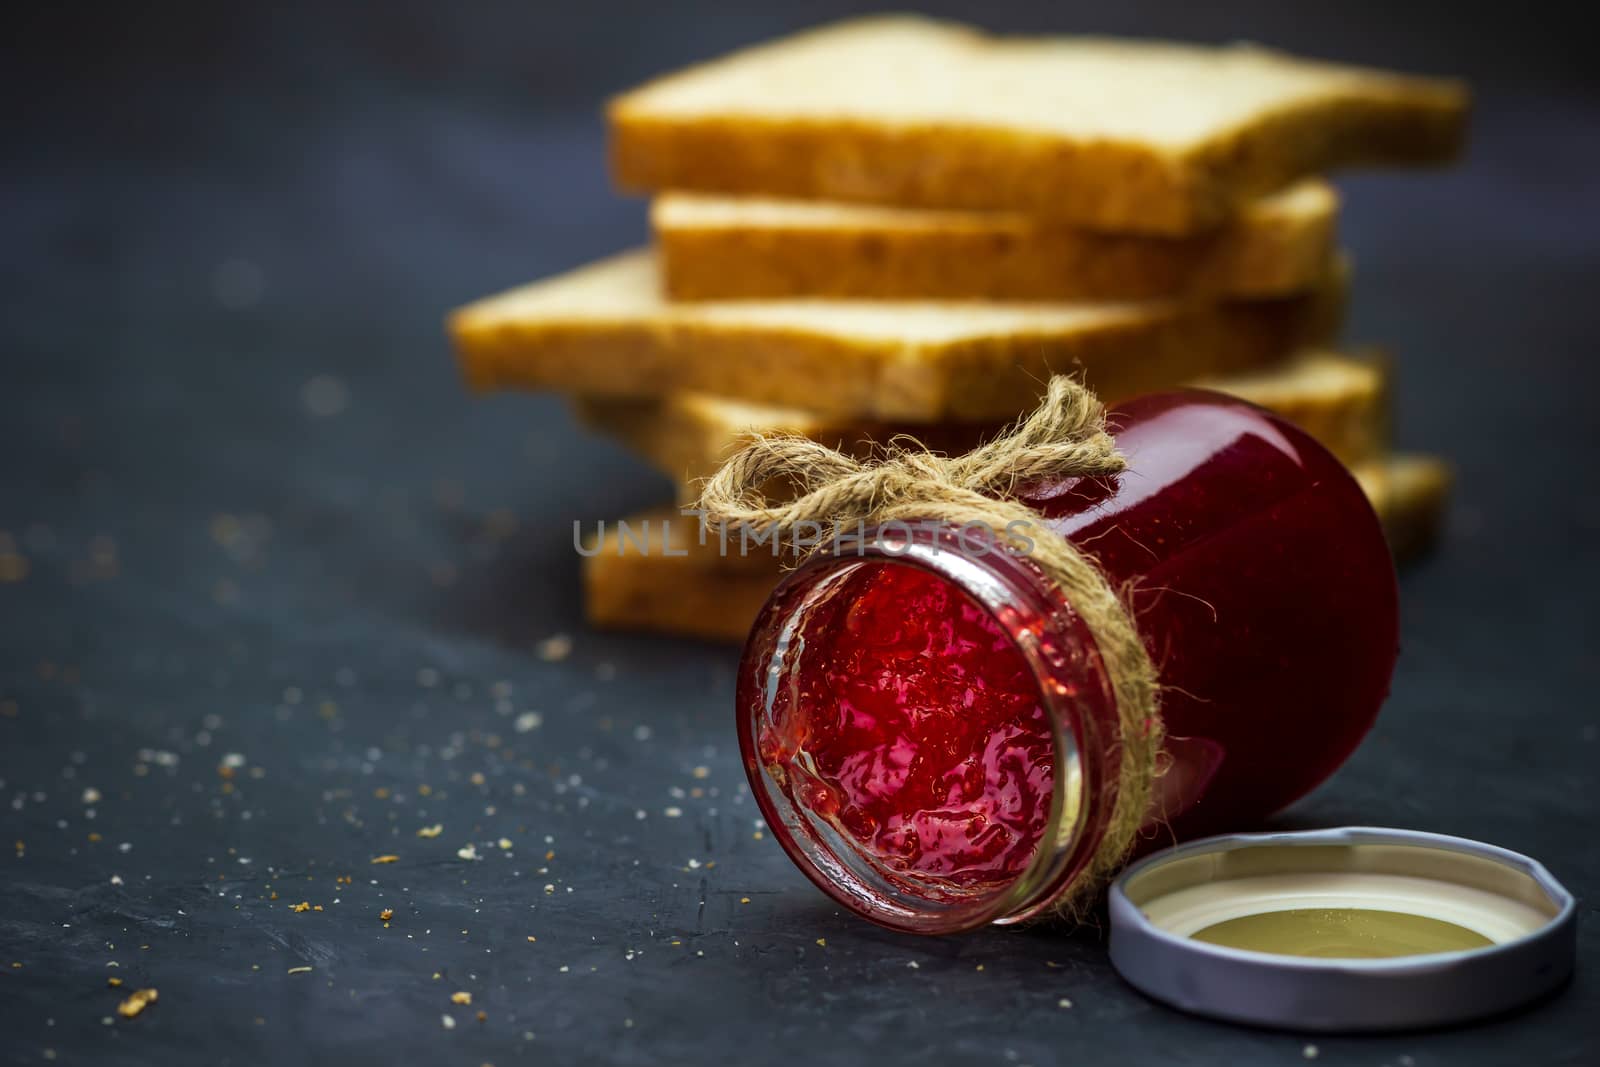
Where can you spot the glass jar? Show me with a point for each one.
(926, 722)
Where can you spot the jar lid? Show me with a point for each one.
(1356, 928)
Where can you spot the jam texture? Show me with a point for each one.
(915, 726)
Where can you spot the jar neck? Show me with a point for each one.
(1073, 691)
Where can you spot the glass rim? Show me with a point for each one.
(1015, 594)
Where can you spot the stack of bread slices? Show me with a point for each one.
(901, 226)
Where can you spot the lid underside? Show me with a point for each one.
(1509, 905)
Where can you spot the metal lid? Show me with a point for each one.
(1522, 920)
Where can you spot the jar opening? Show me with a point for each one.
(907, 736)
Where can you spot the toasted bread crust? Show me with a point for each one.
(1340, 400)
(1107, 186)
(801, 358)
(1097, 181)
(994, 256)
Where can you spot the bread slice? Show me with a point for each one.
(1411, 494)
(651, 572)
(605, 329)
(745, 248)
(1116, 135)
(703, 593)
(1340, 399)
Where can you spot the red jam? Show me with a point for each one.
(894, 715)
(918, 731)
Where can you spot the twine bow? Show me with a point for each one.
(1065, 437)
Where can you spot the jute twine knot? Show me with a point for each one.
(1065, 437)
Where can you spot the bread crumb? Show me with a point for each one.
(430, 831)
(555, 648)
(386, 914)
(299, 970)
(462, 997)
(386, 859)
(137, 1002)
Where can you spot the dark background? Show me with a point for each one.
(251, 518)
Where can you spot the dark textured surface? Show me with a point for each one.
(212, 230)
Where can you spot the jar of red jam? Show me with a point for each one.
(928, 726)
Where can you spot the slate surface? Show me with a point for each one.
(286, 583)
